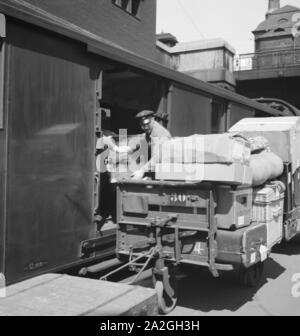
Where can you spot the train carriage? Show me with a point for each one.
(60, 87)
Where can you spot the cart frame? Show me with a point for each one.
(151, 252)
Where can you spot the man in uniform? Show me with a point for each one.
(107, 191)
(155, 134)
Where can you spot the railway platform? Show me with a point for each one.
(65, 295)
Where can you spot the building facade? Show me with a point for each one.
(130, 24)
(273, 70)
(209, 60)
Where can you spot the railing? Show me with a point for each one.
(267, 60)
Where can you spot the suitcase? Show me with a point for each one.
(268, 208)
(245, 246)
(234, 206)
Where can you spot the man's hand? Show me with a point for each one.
(138, 175)
(105, 141)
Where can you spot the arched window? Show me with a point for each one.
(283, 20)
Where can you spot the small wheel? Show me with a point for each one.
(166, 296)
(251, 276)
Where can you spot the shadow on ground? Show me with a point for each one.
(200, 291)
(288, 248)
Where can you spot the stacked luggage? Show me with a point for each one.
(268, 208)
(283, 137)
(262, 224)
(214, 157)
(249, 209)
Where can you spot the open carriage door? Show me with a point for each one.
(103, 189)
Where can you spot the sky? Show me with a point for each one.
(232, 20)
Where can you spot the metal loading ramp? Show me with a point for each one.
(64, 295)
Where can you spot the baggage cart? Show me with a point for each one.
(167, 224)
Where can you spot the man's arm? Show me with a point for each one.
(156, 146)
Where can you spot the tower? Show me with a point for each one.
(273, 5)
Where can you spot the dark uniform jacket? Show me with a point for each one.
(158, 135)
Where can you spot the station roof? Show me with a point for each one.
(204, 44)
(97, 45)
(200, 45)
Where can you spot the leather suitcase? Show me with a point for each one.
(245, 246)
(234, 207)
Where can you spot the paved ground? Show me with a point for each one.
(200, 294)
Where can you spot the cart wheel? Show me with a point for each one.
(166, 295)
(251, 276)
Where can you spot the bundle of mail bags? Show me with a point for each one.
(214, 157)
(225, 158)
(265, 165)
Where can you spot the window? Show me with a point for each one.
(283, 21)
(135, 7)
(130, 6)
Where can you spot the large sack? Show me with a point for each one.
(211, 148)
(260, 169)
(265, 166)
(276, 164)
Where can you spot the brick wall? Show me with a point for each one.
(275, 43)
(109, 21)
